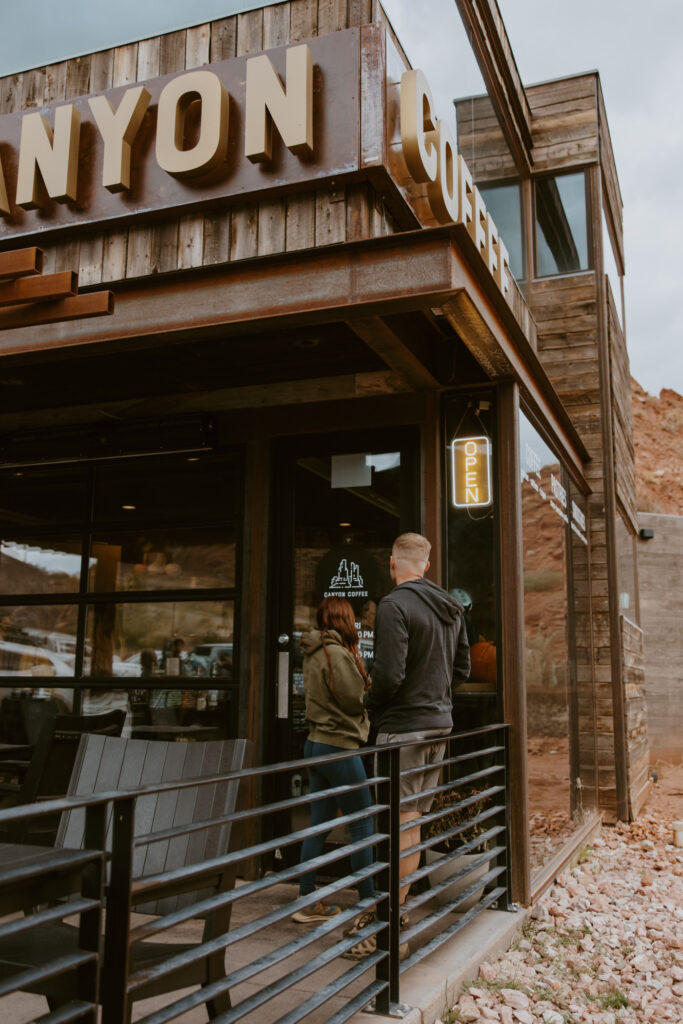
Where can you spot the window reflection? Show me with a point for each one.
(172, 560)
(31, 565)
(561, 224)
(551, 515)
(504, 203)
(626, 569)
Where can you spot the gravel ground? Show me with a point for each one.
(603, 946)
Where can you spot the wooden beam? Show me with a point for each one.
(74, 308)
(20, 262)
(41, 288)
(496, 61)
(252, 396)
(393, 350)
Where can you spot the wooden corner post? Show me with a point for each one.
(512, 635)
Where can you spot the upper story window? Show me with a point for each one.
(504, 203)
(561, 224)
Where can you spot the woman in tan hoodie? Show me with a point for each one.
(334, 683)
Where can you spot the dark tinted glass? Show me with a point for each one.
(561, 225)
(46, 496)
(504, 203)
(180, 487)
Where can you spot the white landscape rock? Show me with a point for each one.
(604, 946)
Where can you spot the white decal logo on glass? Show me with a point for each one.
(346, 577)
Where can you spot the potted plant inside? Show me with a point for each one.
(440, 855)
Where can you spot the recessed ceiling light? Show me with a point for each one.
(193, 458)
(344, 524)
(128, 508)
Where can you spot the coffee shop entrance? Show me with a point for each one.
(339, 502)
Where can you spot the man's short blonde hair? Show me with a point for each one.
(412, 551)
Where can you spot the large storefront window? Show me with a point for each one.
(554, 542)
(472, 549)
(122, 573)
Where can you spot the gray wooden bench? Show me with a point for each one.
(158, 880)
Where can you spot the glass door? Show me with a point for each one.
(339, 503)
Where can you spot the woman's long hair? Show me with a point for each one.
(336, 613)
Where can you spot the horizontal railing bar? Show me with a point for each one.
(281, 985)
(181, 960)
(58, 860)
(255, 812)
(457, 876)
(265, 962)
(452, 833)
(452, 905)
(358, 1003)
(75, 1009)
(471, 848)
(24, 979)
(114, 796)
(452, 784)
(430, 947)
(224, 899)
(62, 910)
(321, 997)
(230, 938)
(151, 882)
(478, 798)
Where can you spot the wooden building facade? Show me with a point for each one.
(292, 362)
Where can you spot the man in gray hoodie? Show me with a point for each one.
(421, 651)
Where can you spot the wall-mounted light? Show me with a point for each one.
(471, 472)
(128, 508)
(646, 533)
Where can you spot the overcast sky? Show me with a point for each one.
(635, 48)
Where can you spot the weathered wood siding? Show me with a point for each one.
(231, 232)
(566, 311)
(622, 415)
(614, 207)
(564, 123)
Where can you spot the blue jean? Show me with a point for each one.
(326, 776)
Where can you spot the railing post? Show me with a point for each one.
(394, 872)
(91, 920)
(388, 765)
(116, 1005)
(504, 901)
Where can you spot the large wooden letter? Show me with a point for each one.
(54, 155)
(268, 104)
(417, 120)
(118, 128)
(211, 146)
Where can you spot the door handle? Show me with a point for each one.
(282, 684)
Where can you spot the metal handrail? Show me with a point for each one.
(485, 810)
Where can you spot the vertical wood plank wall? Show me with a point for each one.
(570, 132)
(228, 232)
